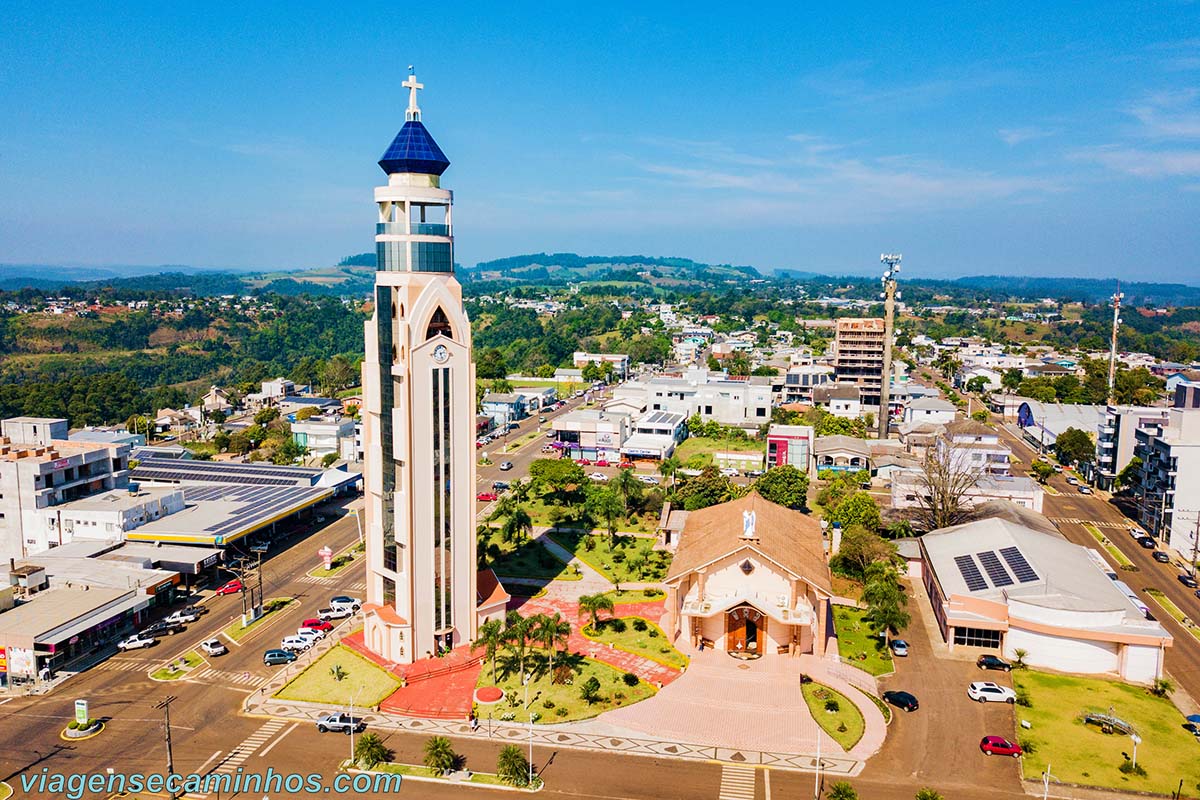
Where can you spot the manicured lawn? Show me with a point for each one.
(235, 630)
(1084, 755)
(857, 638)
(613, 564)
(847, 587)
(846, 725)
(1112, 549)
(696, 452)
(364, 683)
(191, 660)
(550, 515)
(1172, 609)
(635, 596)
(420, 770)
(527, 560)
(613, 691)
(649, 643)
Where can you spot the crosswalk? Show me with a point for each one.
(737, 783)
(211, 675)
(359, 586)
(1096, 522)
(238, 755)
(124, 665)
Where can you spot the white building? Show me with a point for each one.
(977, 446)
(840, 399)
(1168, 491)
(591, 433)
(655, 435)
(1115, 440)
(418, 414)
(39, 469)
(620, 361)
(323, 435)
(108, 515)
(929, 409)
(712, 395)
(995, 583)
(908, 486)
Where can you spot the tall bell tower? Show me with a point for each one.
(418, 413)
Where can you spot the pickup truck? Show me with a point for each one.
(183, 617)
(164, 628)
(340, 723)
(340, 612)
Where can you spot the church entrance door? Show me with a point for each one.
(745, 632)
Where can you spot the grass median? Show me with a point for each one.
(835, 713)
(639, 637)
(1106, 543)
(1082, 754)
(858, 644)
(338, 677)
(237, 632)
(1173, 610)
(172, 672)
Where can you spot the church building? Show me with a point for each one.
(418, 414)
(750, 577)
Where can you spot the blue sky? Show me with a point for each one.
(974, 138)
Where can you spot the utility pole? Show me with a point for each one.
(889, 295)
(1112, 350)
(165, 705)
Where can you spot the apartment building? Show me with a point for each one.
(745, 402)
(1115, 440)
(1168, 487)
(858, 356)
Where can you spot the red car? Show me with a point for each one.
(999, 746)
(625, 465)
(233, 587)
(317, 625)
(584, 462)
(486, 497)
(602, 462)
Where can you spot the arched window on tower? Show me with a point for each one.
(439, 325)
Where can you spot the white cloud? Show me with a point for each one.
(1170, 114)
(1015, 136)
(1144, 163)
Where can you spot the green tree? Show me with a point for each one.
(288, 452)
(501, 386)
(668, 467)
(517, 527)
(370, 750)
(590, 691)
(306, 413)
(627, 486)
(240, 443)
(858, 508)
(592, 605)
(516, 634)
(328, 459)
(491, 638)
(708, 488)
(830, 425)
(439, 755)
(338, 373)
(784, 485)
(221, 441)
(1041, 470)
(841, 791)
(512, 767)
(265, 415)
(978, 384)
(490, 364)
(926, 793)
(550, 632)
(1074, 446)
(1129, 473)
(861, 548)
(559, 475)
(603, 504)
(885, 597)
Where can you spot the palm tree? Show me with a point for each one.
(505, 507)
(517, 527)
(927, 793)
(626, 484)
(551, 631)
(370, 750)
(636, 563)
(439, 755)
(512, 767)
(520, 490)
(668, 468)
(593, 604)
(491, 638)
(516, 633)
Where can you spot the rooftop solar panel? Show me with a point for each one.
(970, 573)
(1020, 567)
(995, 570)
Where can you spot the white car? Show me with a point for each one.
(335, 612)
(214, 647)
(136, 642)
(729, 472)
(598, 476)
(183, 617)
(988, 692)
(296, 644)
(649, 479)
(311, 633)
(1073, 481)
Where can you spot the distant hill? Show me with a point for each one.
(1092, 290)
(561, 268)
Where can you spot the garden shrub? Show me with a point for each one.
(832, 705)
(631, 679)
(1130, 768)
(561, 711)
(547, 704)
(640, 624)
(616, 625)
(653, 634)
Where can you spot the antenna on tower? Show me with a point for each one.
(1112, 351)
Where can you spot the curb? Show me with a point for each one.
(445, 781)
(63, 735)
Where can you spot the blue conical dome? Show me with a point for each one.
(414, 150)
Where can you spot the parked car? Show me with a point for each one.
(1073, 480)
(993, 662)
(311, 634)
(1057, 467)
(199, 611)
(1188, 581)
(340, 723)
(183, 617)
(317, 624)
(1147, 542)
(338, 612)
(1085, 490)
(547, 448)
(232, 587)
(999, 746)
(899, 648)
(625, 465)
(729, 472)
(549, 434)
(486, 497)
(345, 600)
(649, 479)
(214, 647)
(988, 692)
(277, 656)
(902, 700)
(1136, 533)
(136, 642)
(583, 462)
(163, 628)
(499, 486)
(296, 644)
(505, 466)
(598, 476)
(541, 419)
(602, 462)
(1161, 557)
(479, 443)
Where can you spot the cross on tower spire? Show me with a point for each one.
(413, 114)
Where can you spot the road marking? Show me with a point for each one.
(767, 783)
(279, 739)
(213, 675)
(737, 783)
(212, 758)
(238, 755)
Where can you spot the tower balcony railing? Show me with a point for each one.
(415, 229)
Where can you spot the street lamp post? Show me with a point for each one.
(353, 697)
(529, 713)
(1046, 776)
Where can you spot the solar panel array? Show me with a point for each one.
(256, 504)
(995, 570)
(162, 469)
(1020, 567)
(970, 573)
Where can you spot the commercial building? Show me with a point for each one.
(743, 402)
(858, 356)
(841, 454)
(620, 362)
(973, 445)
(1168, 486)
(39, 469)
(908, 486)
(797, 384)
(504, 407)
(323, 435)
(655, 436)
(791, 445)
(108, 436)
(418, 414)
(750, 577)
(1115, 439)
(591, 433)
(998, 584)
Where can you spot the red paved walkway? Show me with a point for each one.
(437, 688)
(645, 668)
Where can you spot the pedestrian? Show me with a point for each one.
(474, 724)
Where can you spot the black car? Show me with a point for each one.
(1188, 581)
(1146, 542)
(993, 662)
(902, 700)
(1161, 557)
(163, 628)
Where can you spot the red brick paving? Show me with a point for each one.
(437, 688)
